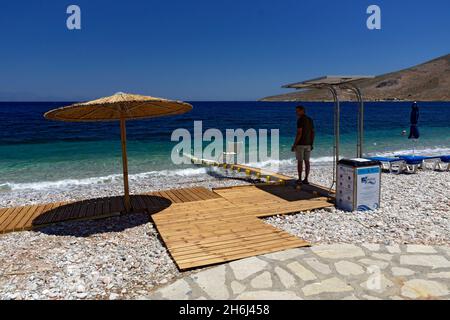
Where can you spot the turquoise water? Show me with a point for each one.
(35, 153)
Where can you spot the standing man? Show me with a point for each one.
(304, 143)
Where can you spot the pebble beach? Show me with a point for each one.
(124, 258)
(415, 209)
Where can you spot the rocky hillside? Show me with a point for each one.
(426, 82)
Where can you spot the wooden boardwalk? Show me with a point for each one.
(30, 217)
(199, 227)
(260, 173)
(268, 176)
(228, 228)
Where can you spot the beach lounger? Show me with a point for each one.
(432, 163)
(444, 163)
(393, 165)
(415, 162)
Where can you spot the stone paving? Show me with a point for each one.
(340, 271)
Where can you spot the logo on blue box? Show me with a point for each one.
(369, 180)
(368, 171)
(375, 206)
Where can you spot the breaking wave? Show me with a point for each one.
(191, 172)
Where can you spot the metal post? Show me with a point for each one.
(337, 113)
(357, 92)
(361, 129)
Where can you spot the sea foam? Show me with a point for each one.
(185, 173)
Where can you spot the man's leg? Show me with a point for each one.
(307, 169)
(307, 164)
(300, 169)
(299, 152)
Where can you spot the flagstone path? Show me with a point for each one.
(339, 271)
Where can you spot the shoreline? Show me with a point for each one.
(92, 191)
(14, 194)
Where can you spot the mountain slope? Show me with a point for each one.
(426, 82)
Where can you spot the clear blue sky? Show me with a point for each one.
(206, 49)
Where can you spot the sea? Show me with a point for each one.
(38, 154)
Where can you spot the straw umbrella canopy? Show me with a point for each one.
(120, 107)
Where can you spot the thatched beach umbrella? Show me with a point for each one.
(120, 107)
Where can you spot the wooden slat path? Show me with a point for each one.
(269, 176)
(260, 173)
(30, 217)
(228, 228)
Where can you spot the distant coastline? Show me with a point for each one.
(426, 82)
(352, 100)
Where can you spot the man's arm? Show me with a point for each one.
(297, 137)
(313, 134)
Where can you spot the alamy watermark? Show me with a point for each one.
(73, 22)
(374, 20)
(249, 146)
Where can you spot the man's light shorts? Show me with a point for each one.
(303, 153)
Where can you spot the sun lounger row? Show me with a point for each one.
(410, 164)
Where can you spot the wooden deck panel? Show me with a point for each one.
(10, 217)
(228, 228)
(194, 194)
(235, 217)
(228, 241)
(75, 209)
(13, 218)
(221, 208)
(240, 253)
(24, 216)
(47, 217)
(27, 224)
(204, 254)
(5, 215)
(29, 217)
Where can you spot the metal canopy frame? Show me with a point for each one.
(331, 83)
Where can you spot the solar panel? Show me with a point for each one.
(326, 81)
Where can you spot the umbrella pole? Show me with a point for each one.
(123, 136)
